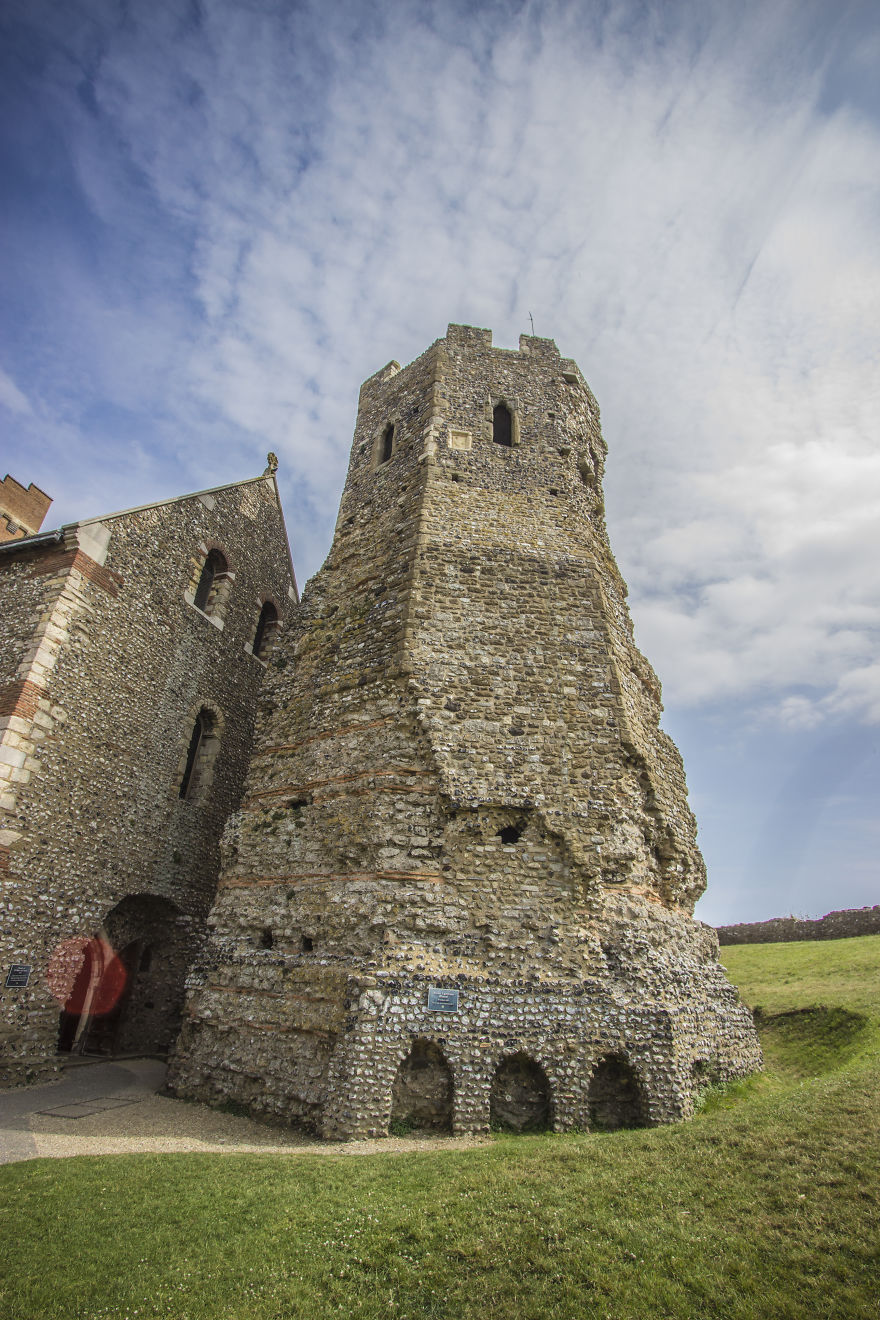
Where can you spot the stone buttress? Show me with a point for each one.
(460, 783)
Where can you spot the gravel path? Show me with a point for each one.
(111, 1107)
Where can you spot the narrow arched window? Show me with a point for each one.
(267, 628)
(195, 743)
(215, 573)
(200, 755)
(502, 425)
(387, 443)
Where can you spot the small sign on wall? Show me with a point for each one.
(442, 1001)
(18, 976)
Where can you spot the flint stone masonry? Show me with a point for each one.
(841, 925)
(459, 781)
(104, 665)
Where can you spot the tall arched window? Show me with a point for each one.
(204, 744)
(502, 425)
(267, 630)
(215, 576)
(387, 443)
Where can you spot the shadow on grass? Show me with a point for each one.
(808, 1042)
(798, 1044)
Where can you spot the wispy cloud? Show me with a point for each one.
(11, 396)
(264, 206)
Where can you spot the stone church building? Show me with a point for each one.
(132, 651)
(447, 880)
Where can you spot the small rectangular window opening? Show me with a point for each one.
(502, 425)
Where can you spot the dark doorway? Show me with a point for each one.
(422, 1093)
(127, 996)
(520, 1097)
(105, 1018)
(615, 1098)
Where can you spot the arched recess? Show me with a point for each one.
(616, 1099)
(267, 631)
(197, 769)
(213, 586)
(520, 1098)
(386, 447)
(423, 1092)
(127, 996)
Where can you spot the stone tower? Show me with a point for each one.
(461, 885)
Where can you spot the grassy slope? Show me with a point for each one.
(765, 1206)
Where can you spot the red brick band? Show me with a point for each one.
(21, 697)
(323, 877)
(97, 573)
(57, 560)
(278, 748)
(290, 790)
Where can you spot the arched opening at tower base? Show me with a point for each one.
(520, 1097)
(421, 1099)
(616, 1098)
(127, 992)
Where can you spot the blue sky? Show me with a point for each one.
(218, 217)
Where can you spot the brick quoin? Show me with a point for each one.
(41, 564)
(21, 697)
(81, 563)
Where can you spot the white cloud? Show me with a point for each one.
(11, 396)
(666, 192)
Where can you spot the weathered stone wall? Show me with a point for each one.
(841, 925)
(459, 781)
(105, 665)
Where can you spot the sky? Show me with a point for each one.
(218, 217)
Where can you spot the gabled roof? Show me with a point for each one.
(57, 536)
(178, 499)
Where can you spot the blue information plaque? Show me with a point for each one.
(442, 1001)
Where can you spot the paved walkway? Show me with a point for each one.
(108, 1107)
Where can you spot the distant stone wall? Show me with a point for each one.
(833, 926)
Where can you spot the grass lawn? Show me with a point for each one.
(766, 1205)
